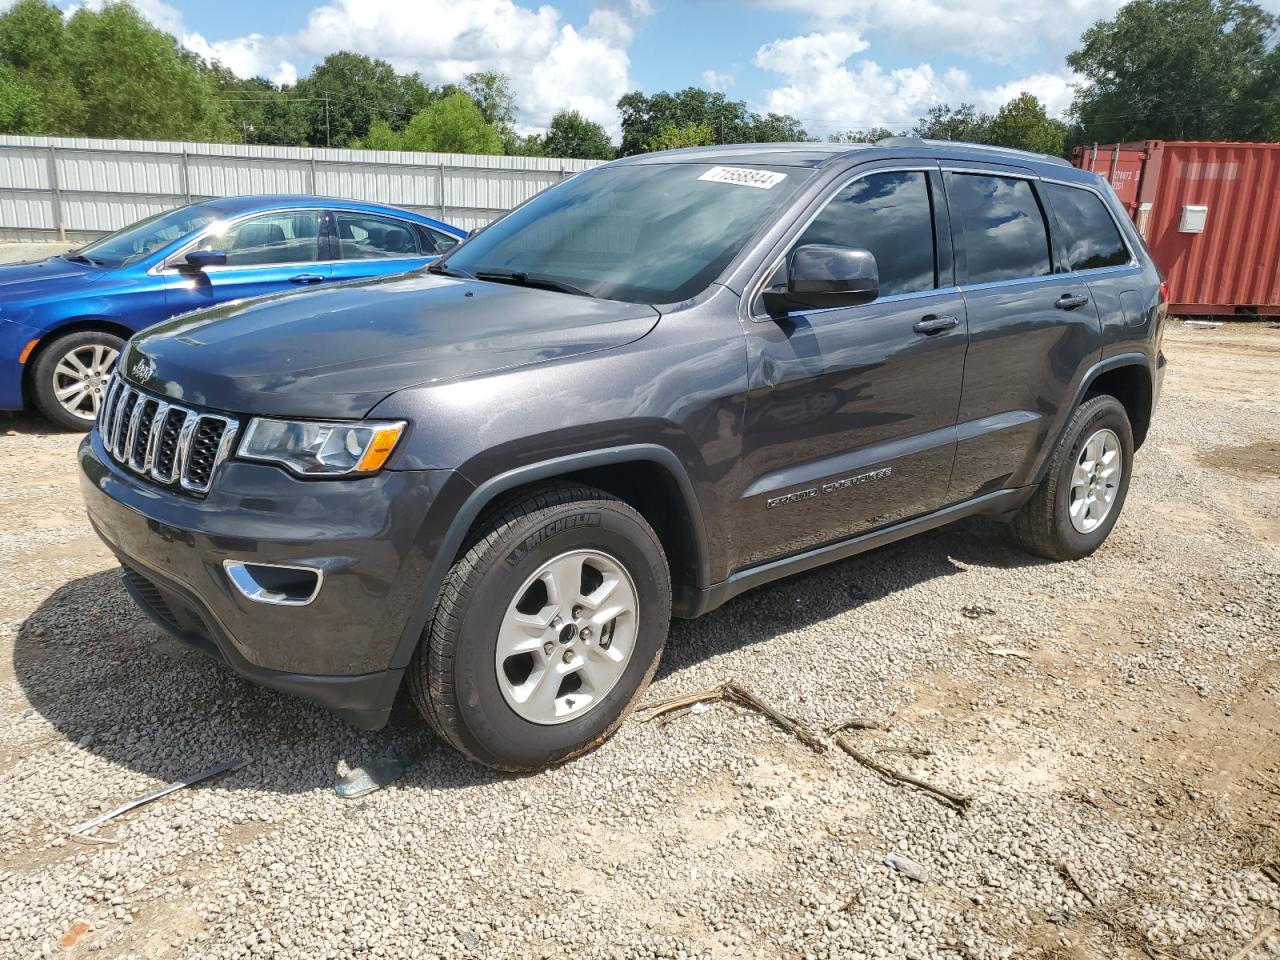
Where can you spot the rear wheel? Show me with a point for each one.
(1078, 502)
(547, 630)
(69, 377)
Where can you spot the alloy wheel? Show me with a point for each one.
(1095, 481)
(80, 379)
(567, 637)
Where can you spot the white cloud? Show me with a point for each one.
(717, 80)
(246, 57)
(552, 65)
(829, 91)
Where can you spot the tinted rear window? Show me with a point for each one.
(1088, 232)
(1004, 230)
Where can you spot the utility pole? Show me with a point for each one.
(327, 141)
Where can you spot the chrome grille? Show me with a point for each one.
(166, 442)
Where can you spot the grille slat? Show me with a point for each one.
(163, 441)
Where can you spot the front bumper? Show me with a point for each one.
(14, 338)
(366, 535)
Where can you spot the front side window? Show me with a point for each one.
(890, 215)
(141, 239)
(1088, 232)
(363, 236)
(273, 238)
(639, 232)
(1005, 237)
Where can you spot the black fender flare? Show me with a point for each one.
(483, 495)
(1129, 359)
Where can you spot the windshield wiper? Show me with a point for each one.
(445, 270)
(81, 258)
(520, 278)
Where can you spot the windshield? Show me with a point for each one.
(145, 237)
(645, 233)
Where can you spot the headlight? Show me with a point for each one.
(314, 448)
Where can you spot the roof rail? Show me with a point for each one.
(984, 147)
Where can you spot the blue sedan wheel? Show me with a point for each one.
(70, 377)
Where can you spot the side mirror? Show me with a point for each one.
(825, 275)
(199, 259)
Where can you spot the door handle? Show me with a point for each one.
(935, 324)
(1070, 301)
(306, 278)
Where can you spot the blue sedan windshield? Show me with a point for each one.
(145, 237)
(644, 232)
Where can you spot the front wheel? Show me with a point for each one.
(1078, 502)
(69, 377)
(547, 630)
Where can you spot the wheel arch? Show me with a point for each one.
(1131, 383)
(64, 329)
(649, 477)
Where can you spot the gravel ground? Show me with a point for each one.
(1115, 721)
(15, 252)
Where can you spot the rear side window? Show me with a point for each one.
(890, 215)
(1004, 230)
(438, 241)
(362, 236)
(1089, 234)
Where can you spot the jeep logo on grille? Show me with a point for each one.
(143, 370)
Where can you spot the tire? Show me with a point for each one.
(85, 357)
(471, 697)
(1045, 525)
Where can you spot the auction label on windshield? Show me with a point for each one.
(744, 177)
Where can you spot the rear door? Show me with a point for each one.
(266, 253)
(850, 420)
(370, 245)
(1033, 326)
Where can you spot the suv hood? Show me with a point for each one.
(337, 352)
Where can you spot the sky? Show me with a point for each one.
(833, 64)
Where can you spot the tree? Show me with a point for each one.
(33, 49)
(645, 120)
(872, 135)
(1023, 124)
(20, 107)
(573, 135)
(453, 124)
(964, 124)
(261, 112)
(491, 91)
(347, 92)
(1176, 69)
(671, 137)
(137, 82)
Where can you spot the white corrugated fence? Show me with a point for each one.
(76, 188)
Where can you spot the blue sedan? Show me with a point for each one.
(63, 320)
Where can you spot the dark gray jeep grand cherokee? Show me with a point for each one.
(655, 385)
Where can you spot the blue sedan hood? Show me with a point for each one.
(44, 277)
(337, 352)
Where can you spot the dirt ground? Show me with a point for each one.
(1115, 722)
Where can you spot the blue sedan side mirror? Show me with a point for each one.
(199, 259)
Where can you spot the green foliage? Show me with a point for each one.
(346, 93)
(20, 107)
(573, 135)
(1177, 69)
(33, 49)
(671, 137)
(964, 124)
(453, 124)
(259, 111)
(1023, 124)
(647, 120)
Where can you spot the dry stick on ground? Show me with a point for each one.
(1065, 872)
(954, 799)
(1249, 947)
(734, 692)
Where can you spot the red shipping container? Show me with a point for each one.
(1210, 212)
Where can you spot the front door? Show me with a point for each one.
(851, 411)
(266, 253)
